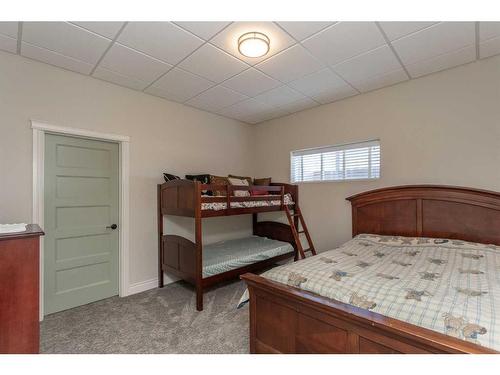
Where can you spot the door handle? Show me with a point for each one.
(112, 226)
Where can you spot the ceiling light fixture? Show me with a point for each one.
(253, 44)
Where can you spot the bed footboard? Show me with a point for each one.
(284, 320)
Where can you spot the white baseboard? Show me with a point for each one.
(142, 286)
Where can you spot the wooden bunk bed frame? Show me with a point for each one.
(184, 258)
(284, 319)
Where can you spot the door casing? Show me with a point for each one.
(39, 131)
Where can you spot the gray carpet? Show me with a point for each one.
(157, 321)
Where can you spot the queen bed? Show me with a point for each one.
(421, 275)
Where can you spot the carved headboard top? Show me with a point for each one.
(428, 211)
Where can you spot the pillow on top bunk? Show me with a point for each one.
(248, 179)
(261, 182)
(219, 180)
(239, 182)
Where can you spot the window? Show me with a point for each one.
(352, 161)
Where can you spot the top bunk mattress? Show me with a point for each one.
(228, 255)
(448, 286)
(217, 206)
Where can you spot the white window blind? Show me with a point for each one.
(343, 162)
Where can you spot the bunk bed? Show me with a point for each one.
(204, 266)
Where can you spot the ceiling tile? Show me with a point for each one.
(396, 30)
(119, 79)
(335, 94)
(279, 96)
(290, 64)
(213, 64)
(8, 44)
(262, 116)
(255, 119)
(179, 85)
(487, 30)
(245, 108)
(344, 40)
(247, 120)
(106, 29)
(251, 82)
(370, 64)
(9, 29)
(216, 98)
(230, 112)
(303, 30)
(77, 43)
(133, 64)
(228, 39)
(489, 48)
(53, 58)
(283, 111)
(203, 29)
(299, 105)
(441, 62)
(162, 40)
(380, 81)
(317, 82)
(156, 91)
(439, 39)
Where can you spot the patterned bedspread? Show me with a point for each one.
(448, 286)
(216, 206)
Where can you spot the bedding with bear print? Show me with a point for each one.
(449, 286)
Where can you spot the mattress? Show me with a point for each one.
(217, 206)
(228, 255)
(448, 286)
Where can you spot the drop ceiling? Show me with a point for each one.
(198, 63)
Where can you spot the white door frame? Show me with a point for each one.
(39, 131)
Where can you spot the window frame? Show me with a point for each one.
(338, 180)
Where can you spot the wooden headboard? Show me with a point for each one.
(428, 211)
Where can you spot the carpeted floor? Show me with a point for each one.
(157, 321)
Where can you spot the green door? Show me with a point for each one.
(81, 204)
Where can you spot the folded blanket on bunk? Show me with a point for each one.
(216, 206)
(449, 286)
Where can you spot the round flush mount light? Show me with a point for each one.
(253, 44)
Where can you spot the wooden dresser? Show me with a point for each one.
(19, 291)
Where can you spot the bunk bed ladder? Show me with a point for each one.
(296, 233)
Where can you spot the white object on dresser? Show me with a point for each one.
(12, 228)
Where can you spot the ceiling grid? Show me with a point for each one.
(199, 64)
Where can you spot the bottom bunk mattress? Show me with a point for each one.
(448, 286)
(228, 255)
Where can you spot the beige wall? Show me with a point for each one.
(165, 136)
(440, 129)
